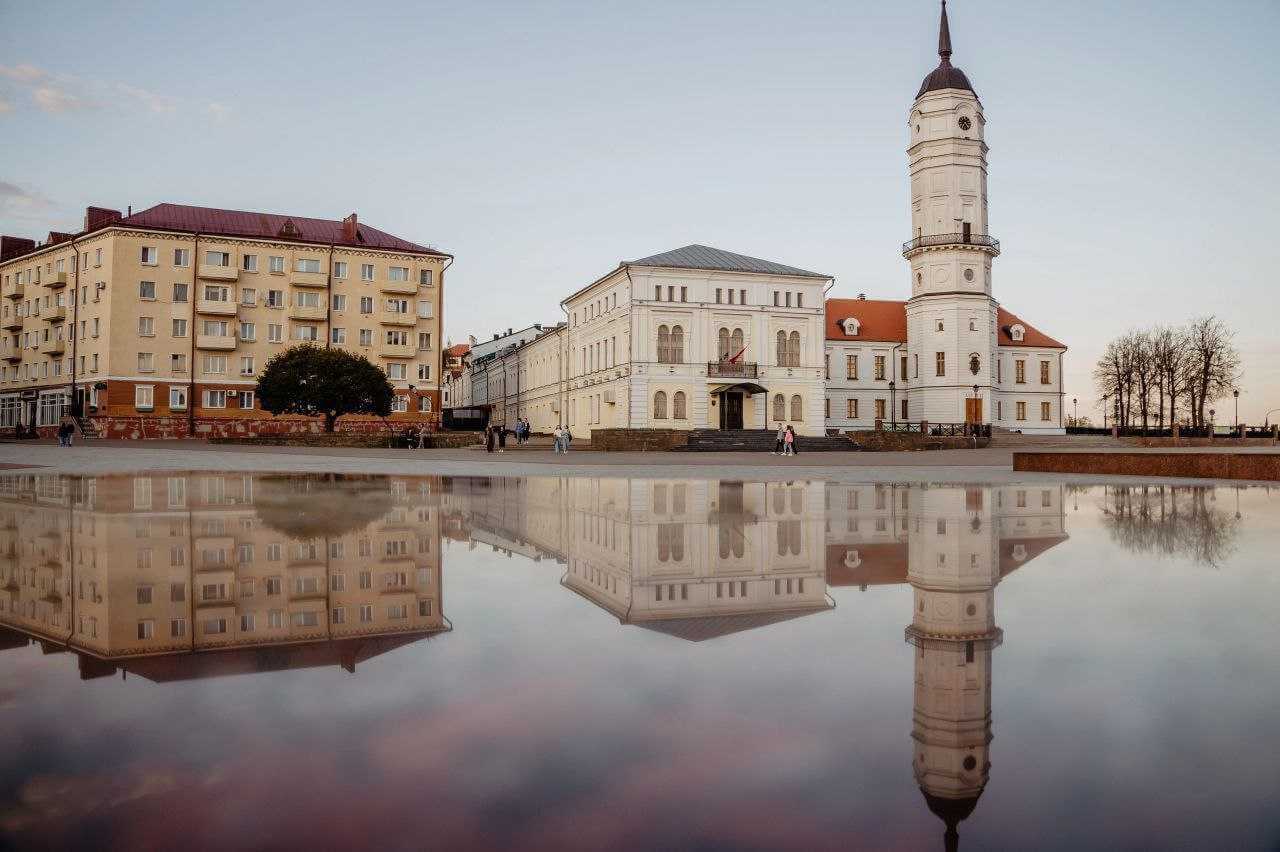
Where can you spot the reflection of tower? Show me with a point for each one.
(953, 568)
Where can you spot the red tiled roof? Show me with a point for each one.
(877, 564)
(885, 320)
(879, 319)
(237, 223)
(457, 350)
(1031, 336)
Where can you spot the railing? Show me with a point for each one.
(952, 239)
(966, 430)
(726, 369)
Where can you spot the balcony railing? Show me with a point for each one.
(55, 280)
(18, 291)
(13, 323)
(218, 342)
(53, 347)
(218, 273)
(392, 318)
(58, 313)
(217, 307)
(402, 287)
(929, 240)
(728, 370)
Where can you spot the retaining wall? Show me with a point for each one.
(1255, 466)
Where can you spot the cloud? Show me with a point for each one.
(57, 93)
(20, 204)
(219, 112)
(23, 73)
(5, 106)
(151, 100)
(53, 99)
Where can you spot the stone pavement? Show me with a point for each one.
(993, 464)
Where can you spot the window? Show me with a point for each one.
(215, 399)
(215, 328)
(150, 255)
(307, 264)
(1022, 411)
(146, 629)
(246, 365)
(1044, 411)
(660, 405)
(215, 365)
(851, 367)
(424, 340)
(424, 277)
(424, 372)
(275, 263)
(217, 258)
(396, 337)
(366, 337)
(880, 409)
(1044, 372)
(678, 406)
(182, 257)
(307, 332)
(248, 331)
(146, 362)
(178, 362)
(275, 332)
(851, 409)
(879, 368)
(340, 269)
(425, 310)
(1017, 332)
(246, 399)
(338, 335)
(1020, 372)
(398, 273)
(146, 326)
(670, 344)
(215, 293)
(177, 398)
(366, 272)
(144, 397)
(249, 262)
(940, 366)
(398, 306)
(248, 296)
(180, 292)
(395, 371)
(779, 408)
(366, 304)
(424, 403)
(797, 408)
(339, 303)
(147, 290)
(306, 298)
(275, 299)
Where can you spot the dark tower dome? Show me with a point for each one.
(946, 75)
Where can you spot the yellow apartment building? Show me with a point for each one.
(157, 323)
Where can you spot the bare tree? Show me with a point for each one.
(1213, 363)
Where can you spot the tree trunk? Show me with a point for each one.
(330, 418)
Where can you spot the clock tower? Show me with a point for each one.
(951, 315)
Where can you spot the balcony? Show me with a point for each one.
(58, 313)
(395, 350)
(216, 342)
(398, 319)
(218, 273)
(212, 306)
(13, 323)
(404, 288)
(14, 356)
(727, 370)
(55, 280)
(53, 347)
(309, 279)
(985, 242)
(18, 291)
(313, 313)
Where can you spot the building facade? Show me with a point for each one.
(950, 353)
(157, 323)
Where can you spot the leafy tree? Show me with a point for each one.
(325, 383)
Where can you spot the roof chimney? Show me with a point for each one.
(99, 217)
(350, 228)
(510, 332)
(862, 297)
(15, 246)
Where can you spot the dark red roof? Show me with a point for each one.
(238, 223)
(1031, 336)
(457, 350)
(885, 320)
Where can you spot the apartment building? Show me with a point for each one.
(159, 322)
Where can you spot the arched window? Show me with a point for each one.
(660, 405)
(782, 349)
(793, 349)
(779, 407)
(664, 345)
(675, 352)
(797, 408)
(722, 339)
(735, 342)
(677, 406)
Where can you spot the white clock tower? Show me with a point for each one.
(951, 315)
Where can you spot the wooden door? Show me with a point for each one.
(731, 411)
(973, 410)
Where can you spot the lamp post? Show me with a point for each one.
(1075, 412)
(1236, 396)
(975, 409)
(1211, 414)
(1104, 409)
(893, 404)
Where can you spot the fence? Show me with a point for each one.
(923, 427)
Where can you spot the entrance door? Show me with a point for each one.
(730, 410)
(973, 410)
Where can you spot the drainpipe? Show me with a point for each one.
(75, 322)
(563, 419)
(191, 365)
(328, 294)
(438, 410)
(631, 339)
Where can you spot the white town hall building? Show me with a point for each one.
(950, 353)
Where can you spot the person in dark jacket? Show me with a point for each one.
(489, 439)
(502, 438)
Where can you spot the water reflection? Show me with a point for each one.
(145, 573)
(1172, 521)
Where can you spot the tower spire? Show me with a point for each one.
(944, 37)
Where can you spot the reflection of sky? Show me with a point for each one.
(1133, 706)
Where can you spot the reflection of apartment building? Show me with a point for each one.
(167, 316)
(121, 567)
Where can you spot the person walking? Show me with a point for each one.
(779, 444)
(502, 438)
(557, 435)
(65, 431)
(789, 442)
(795, 441)
(489, 439)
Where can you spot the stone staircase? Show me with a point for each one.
(1018, 440)
(757, 441)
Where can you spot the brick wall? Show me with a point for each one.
(650, 440)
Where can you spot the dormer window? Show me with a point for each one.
(852, 327)
(1017, 332)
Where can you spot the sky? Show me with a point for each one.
(1132, 162)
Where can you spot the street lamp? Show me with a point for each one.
(893, 404)
(1074, 412)
(1104, 409)
(1236, 395)
(975, 409)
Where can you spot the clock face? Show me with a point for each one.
(965, 124)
